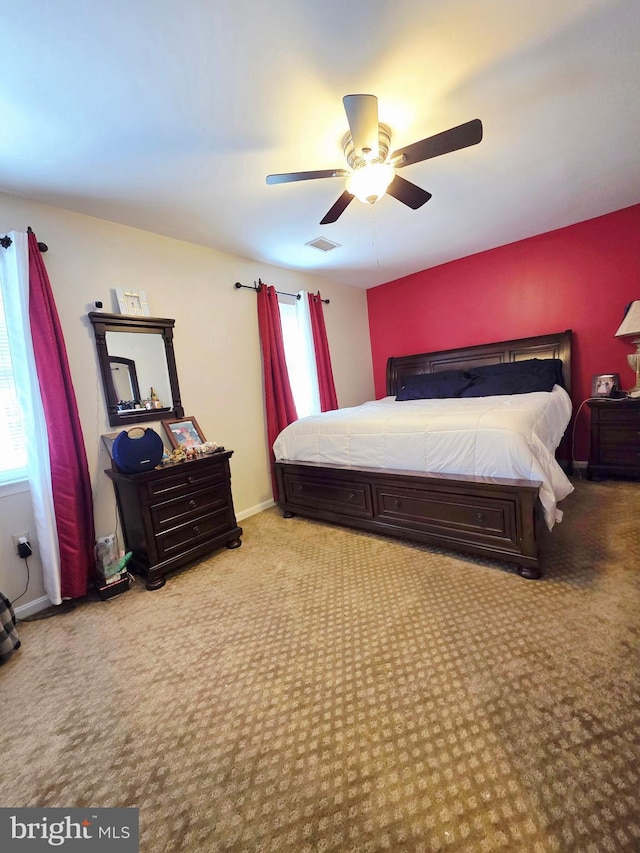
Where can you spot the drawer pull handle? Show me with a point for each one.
(351, 496)
(397, 504)
(193, 504)
(196, 530)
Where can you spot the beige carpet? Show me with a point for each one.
(325, 690)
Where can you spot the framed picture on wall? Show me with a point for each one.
(184, 432)
(604, 384)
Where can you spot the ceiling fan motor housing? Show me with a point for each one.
(356, 160)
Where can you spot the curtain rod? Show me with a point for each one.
(259, 284)
(6, 241)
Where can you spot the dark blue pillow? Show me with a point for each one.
(515, 377)
(434, 386)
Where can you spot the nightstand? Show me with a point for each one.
(615, 438)
(176, 514)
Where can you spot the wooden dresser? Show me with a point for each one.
(175, 514)
(615, 439)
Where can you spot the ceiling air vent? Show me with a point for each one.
(323, 244)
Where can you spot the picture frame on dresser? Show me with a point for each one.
(184, 432)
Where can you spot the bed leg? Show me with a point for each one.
(529, 572)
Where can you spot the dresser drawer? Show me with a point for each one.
(340, 495)
(170, 513)
(619, 454)
(194, 532)
(426, 509)
(620, 433)
(616, 416)
(185, 482)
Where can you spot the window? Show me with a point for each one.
(299, 353)
(13, 457)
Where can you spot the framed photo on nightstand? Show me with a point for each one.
(604, 384)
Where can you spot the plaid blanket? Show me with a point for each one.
(9, 641)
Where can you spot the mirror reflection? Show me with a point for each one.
(125, 381)
(139, 360)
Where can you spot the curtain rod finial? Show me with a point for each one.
(42, 246)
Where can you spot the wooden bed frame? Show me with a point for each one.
(496, 518)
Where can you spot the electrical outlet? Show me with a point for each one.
(16, 539)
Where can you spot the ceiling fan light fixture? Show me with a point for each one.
(372, 168)
(370, 181)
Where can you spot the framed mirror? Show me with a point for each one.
(138, 367)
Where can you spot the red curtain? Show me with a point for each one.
(281, 410)
(326, 386)
(71, 485)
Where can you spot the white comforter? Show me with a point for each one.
(511, 436)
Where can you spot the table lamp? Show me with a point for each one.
(629, 327)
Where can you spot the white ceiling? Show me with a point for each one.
(168, 116)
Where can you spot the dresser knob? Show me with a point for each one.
(397, 504)
(189, 479)
(480, 516)
(351, 496)
(299, 488)
(193, 504)
(196, 530)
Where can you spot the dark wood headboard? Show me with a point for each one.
(542, 346)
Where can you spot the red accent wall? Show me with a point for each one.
(580, 278)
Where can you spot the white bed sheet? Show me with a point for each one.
(508, 436)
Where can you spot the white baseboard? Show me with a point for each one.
(31, 607)
(254, 510)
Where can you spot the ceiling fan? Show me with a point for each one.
(372, 170)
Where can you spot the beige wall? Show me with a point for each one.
(216, 344)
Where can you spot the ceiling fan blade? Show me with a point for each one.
(462, 136)
(338, 208)
(362, 115)
(406, 192)
(289, 177)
